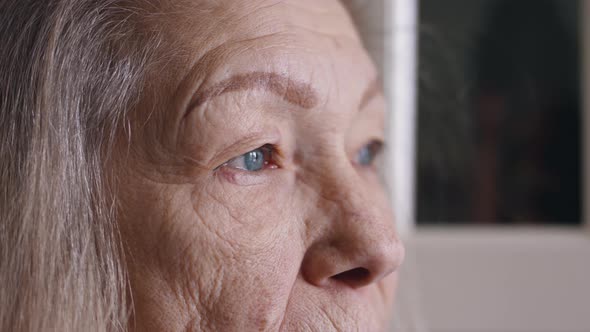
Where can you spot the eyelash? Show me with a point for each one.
(267, 152)
(365, 157)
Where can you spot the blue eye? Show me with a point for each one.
(253, 161)
(367, 154)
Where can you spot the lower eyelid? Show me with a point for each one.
(243, 178)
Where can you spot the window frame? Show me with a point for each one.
(401, 64)
(400, 82)
(585, 40)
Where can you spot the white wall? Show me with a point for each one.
(585, 19)
(507, 280)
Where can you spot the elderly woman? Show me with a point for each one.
(172, 165)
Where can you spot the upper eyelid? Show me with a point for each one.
(242, 146)
(237, 145)
(380, 146)
(266, 147)
(378, 142)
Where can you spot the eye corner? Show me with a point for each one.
(377, 144)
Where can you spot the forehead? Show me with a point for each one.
(224, 19)
(307, 40)
(245, 16)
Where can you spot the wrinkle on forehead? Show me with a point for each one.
(192, 28)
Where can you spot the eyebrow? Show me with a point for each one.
(292, 91)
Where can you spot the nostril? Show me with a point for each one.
(353, 277)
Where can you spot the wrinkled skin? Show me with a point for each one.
(306, 244)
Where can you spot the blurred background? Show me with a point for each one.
(488, 146)
(499, 112)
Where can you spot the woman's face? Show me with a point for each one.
(249, 197)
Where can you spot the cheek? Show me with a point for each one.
(385, 297)
(215, 253)
(244, 252)
(367, 311)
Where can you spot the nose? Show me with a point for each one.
(358, 247)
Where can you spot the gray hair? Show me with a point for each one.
(70, 70)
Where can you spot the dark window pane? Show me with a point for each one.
(499, 112)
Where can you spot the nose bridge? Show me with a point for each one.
(343, 185)
(355, 204)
